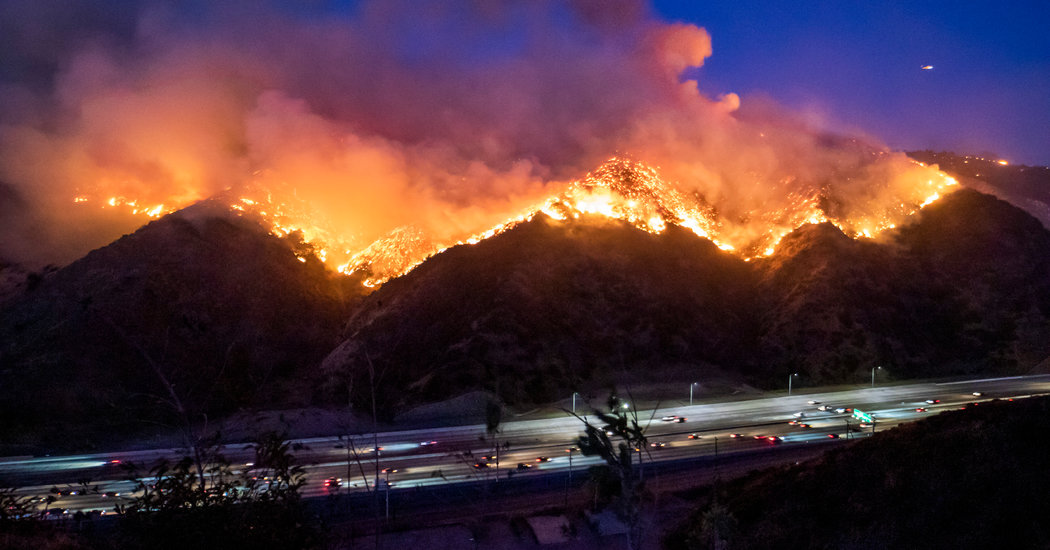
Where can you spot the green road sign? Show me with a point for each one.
(862, 416)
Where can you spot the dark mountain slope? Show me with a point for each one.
(549, 306)
(201, 300)
(535, 312)
(996, 258)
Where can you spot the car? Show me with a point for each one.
(833, 436)
(390, 470)
(427, 443)
(805, 426)
(824, 408)
(841, 410)
(481, 465)
(333, 482)
(694, 436)
(976, 394)
(657, 444)
(920, 409)
(111, 494)
(523, 467)
(811, 402)
(543, 459)
(673, 418)
(932, 401)
(793, 422)
(774, 439)
(799, 415)
(734, 436)
(865, 425)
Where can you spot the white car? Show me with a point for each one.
(824, 408)
(811, 402)
(799, 415)
(840, 410)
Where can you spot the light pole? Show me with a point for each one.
(387, 493)
(574, 394)
(873, 375)
(569, 481)
(789, 381)
(691, 393)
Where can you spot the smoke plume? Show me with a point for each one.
(443, 117)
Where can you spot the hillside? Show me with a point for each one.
(200, 300)
(962, 289)
(236, 319)
(974, 478)
(545, 307)
(1027, 187)
(552, 307)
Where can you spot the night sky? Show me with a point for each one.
(857, 67)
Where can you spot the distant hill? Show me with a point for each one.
(550, 307)
(201, 300)
(964, 479)
(1027, 187)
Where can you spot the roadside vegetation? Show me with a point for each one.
(200, 501)
(974, 478)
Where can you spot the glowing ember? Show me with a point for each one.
(131, 206)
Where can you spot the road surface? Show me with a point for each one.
(438, 456)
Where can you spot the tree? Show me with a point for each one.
(257, 507)
(616, 438)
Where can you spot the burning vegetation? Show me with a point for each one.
(620, 189)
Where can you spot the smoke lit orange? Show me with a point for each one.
(620, 189)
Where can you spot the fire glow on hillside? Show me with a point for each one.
(378, 172)
(619, 189)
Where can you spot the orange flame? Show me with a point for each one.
(620, 189)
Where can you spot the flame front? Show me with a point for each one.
(620, 189)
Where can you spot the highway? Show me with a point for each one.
(436, 456)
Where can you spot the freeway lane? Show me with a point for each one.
(455, 450)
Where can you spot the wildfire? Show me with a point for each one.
(129, 205)
(620, 189)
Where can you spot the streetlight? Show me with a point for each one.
(568, 482)
(691, 393)
(873, 375)
(574, 394)
(789, 381)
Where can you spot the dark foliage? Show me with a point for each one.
(550, 307)
(966, 479)
(258, 507)
(223, 311)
